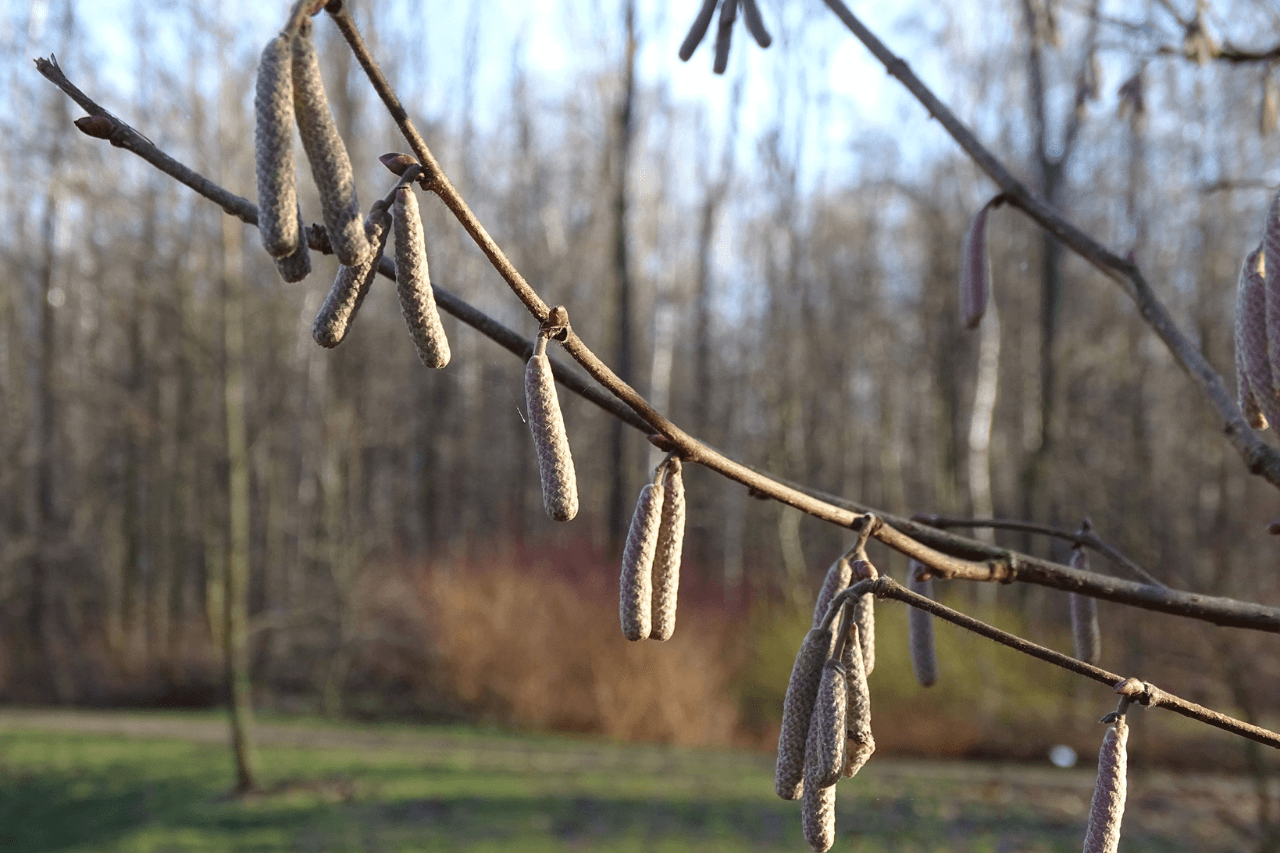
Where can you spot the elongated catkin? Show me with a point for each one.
(724, 35)
(755, 23)
(1270, 263)
(824, 758)
(546, 423)
(1107, 809)
(797, 711)
(273, 149)
(698, 30)
(330, 165)
(858, 716)
(666, 560)
(413, 282)
(635, 587)
(838, 577)
(818, 805)
(352, 283)
(1084, 616)
(864, 616)
(1255, 387)
(924, 655)
(297, 264)
(975, 271)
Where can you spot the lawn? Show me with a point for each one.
(76, 782)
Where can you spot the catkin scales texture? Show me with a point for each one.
(818, 806)
(975, 271)
(1271, 278)
(550, 441)
(635, 586)
(924, 655)
(1084, 616)
(350, 285)
(296, 265)
(858, 715)
(824, 752)
(1254, 382)
(273, 149)
(330, 165)
(838, 577)
(797, 711)
(666, 559)
(864, 616)
(1107, 808)
(413, 282)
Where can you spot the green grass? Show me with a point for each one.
(399, 788)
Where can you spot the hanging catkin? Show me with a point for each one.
(1084, 616)
(666, 560)
(273, 149)
(555, 465)
(724, 35)
(413, 282)
(818, 805)
(330, 165)
(858, 717)
(1107, 808)
(797, 711)
(924, 655)
(635, 587)
(824, 758)
(1271, 270)
(698, 30)
(975, 271)
(864, 616)
(1254, 386)
(297, 264)
(755, 24)
(352, 283)
(838, 577)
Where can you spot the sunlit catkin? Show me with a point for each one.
(273, 149)
(924, 655)
(296, 265)
(838, 577)
(330, 165)
(413, 282)
(546, 423)
(635, 587)
(797, 711)
(352, 283)
(824, 758)
(1270, 263)
(666, 560)
(858, 716)
(1254, 384)
(975, 271)
(1107, 808)
(864, 616)
(818, 806)
(1084, 616)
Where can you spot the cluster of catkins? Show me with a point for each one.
(289, 90)
(1258, 327)
(724, 32)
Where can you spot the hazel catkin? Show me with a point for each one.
(352, 283)
(1107, 808)
(975, 271)
(818, 803)
(797, 711)
(858, 716)
(864, 616)
(698, 30)
(330, 165)
(1085, 633)
(1255, 386)
(838, 577)
(666, 559)
(635, 586)
(413, 282)
(273, 149)
(924, 655)
(296, 265)
(824, 758)
(550, 440)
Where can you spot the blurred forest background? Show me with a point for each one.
(776, 276)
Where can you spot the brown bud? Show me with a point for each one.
(724, 35)
(698, 30)
(398, 163)
(351, 284)
(413, 283)
(924, 655)
(666, 560)
(99, 127)
(838, 577)
(273, 149)
(975, 271)
(1107, 809)
(555, 465)
(635, 587)
(330, 165)
(797, 711)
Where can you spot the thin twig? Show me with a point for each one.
(1086, 538)
(1259, 457)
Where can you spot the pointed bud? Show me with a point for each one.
(1107, 808)
(924, 656)
(797, 711)
(698, 30)
(555, 465)
(273, 149)
(330, 165)
(635, 587)
(398, 163)
(99, 127)
(413, 283)
(975, 271)
(352, 283)
(666, 561)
